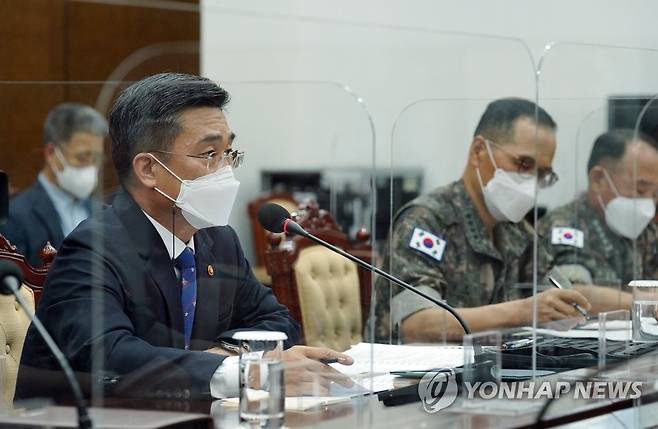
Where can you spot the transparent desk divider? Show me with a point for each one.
(481, 381)
(482, 358)
(614, 335)
(602, 98)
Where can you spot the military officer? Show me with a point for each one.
(466, 242)
(590, 240)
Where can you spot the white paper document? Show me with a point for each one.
(298, 403)
(610, 325)
(616, 330)
(389, 358)
(612, 335)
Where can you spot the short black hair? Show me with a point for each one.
(145, 116)
(612, 145)
(497, 121)
(66, 119)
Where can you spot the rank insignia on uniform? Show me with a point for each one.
(427, 243)
(568, 237)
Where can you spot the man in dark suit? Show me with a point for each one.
(59, 199)
(148, 293)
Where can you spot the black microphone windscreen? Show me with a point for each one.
(272, 217)
(9, 269)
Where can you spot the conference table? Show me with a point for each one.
(368, 411)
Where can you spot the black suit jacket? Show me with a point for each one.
(112, 302)
(33, 221)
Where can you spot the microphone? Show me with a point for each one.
(275, 218)
(11, 278)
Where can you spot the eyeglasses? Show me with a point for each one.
(526, 166)
(215, 161)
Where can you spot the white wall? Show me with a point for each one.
(398, 58)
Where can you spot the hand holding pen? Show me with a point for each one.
(577, 306)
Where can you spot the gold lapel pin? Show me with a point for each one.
(211, 271)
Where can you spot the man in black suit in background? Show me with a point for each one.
(59, 200)
(150, 290)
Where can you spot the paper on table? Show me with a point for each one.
(298, 403)
(610, 325)
(389, 358)
(336, 395)
(616, 330)
(613, 334)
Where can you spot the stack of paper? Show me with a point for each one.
(615, 330)
(384, 358)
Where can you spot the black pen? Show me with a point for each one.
(328, 361)
(580, 309)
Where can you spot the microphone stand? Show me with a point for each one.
(84, 421)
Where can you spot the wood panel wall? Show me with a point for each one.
(52, 49)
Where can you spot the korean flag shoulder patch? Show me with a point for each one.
(568, 237)
(427, 243)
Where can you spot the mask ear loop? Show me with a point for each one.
(60, 156)
(600, 200)
(170, 172)
(166, 168)
(487, 144)
(493, 161)
(612, 185)
(610, 182)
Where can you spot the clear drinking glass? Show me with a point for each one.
(645, 310)
(262, 393)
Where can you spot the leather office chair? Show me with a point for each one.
(13, 320)
(283, 199)
(325, 292)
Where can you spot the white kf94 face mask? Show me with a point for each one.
(627, 217)
(208, 200)
(509, 196)
(77, 181)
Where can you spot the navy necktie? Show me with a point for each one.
(187, 266)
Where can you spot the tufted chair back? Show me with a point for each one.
(329, 297)
(13, 328)
(13, 320)
(325, 292)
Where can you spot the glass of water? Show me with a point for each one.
(262, 393)
(645, 310)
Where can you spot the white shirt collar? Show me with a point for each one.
(169, 239)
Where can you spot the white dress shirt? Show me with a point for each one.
(225, 381)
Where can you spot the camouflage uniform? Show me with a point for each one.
(605, 258)
(472, 270)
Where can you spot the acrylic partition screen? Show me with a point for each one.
(115, 300)
(436, 239)
(599, 233)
